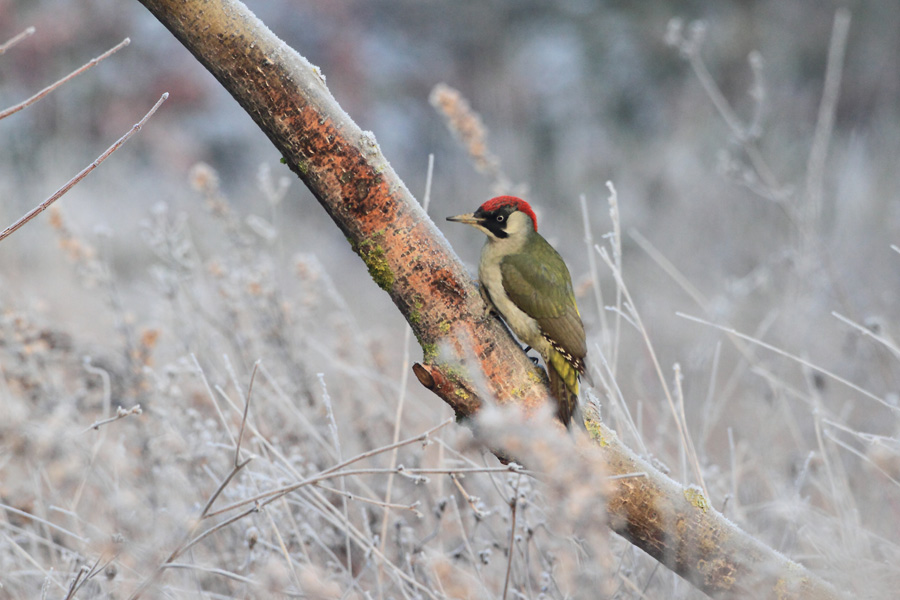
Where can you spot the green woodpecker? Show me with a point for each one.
(526, 281)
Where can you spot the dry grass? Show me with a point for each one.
(158, 498)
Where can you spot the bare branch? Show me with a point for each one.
(82, 174)
(92, 63)
(28, 32)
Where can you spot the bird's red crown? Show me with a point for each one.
(495, 203)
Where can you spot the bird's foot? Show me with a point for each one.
(488, 305)
(534, 359)
(487, 314)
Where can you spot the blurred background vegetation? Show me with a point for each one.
(195, 240)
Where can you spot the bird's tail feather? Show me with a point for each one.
(566, 398)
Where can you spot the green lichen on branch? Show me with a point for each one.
(429, 352)
(374, 256)
(458, 373)
(415, 313)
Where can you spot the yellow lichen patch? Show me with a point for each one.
(595, 430)
(695, 496)
(518, 392)
(461, 393)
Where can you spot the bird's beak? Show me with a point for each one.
(468, 219)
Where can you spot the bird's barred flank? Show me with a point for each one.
(576, 362)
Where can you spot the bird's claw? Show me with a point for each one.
(534, 359)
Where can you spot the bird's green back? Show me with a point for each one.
(538, 281)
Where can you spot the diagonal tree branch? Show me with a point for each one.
(345, 170)
(466, 356)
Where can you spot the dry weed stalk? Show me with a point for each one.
(468, 128)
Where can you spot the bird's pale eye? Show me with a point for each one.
(500, 218)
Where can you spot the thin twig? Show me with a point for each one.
(202, 536)
(733, 467)
(627, 476)
(429, 175)
(350, 496)
(629, 304)
(614, 393)
(268, 496)
(181, 549)
(411, 440)
(329, 473)
(689, 442)
(616, 245)
(107, 390)
(121, 413)
(92, 63)
(84, 172)
(336, 438)
(214, 571)
(470, 500)
(867, 332)
(513, 505)
(212, 397)
(670, 269)
(237, 447)
(873, 464)
(228, 478)
(80, 578)
(16, 39)
(84, 575)
(794, 357)
(466, 542)
(368, 546)
(267, 445)
(815, 166)
(595, 277)
(205, 512)
(44, 522)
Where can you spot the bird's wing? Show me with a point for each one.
(554, 307)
